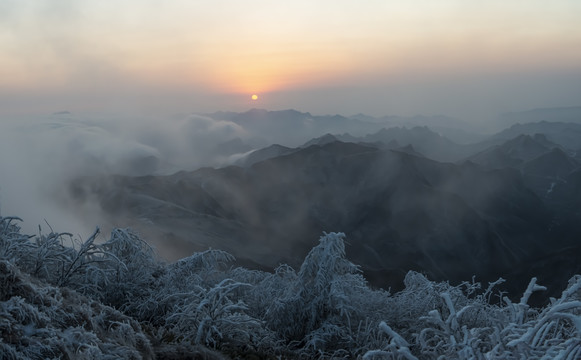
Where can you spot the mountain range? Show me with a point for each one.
(407, 199)
(571, 114)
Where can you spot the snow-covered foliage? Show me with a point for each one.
(115, 299)
(40, 321)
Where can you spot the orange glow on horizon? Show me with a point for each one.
(275, 49)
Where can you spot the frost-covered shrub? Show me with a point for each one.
(57, 258)
(117, 272)
(184, 281)
(310, 296)
(212, 317)
(39, 321)
(132, 271)
(14, 246)
(205, 268)
(555, 332)
(323, 310)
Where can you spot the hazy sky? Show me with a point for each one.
(458, 57)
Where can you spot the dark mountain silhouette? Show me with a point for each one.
(266, 153)
(542, 139)
(409, 149)
(399, 211)
(293, 128)
(424, 140)
(542, 163)
(567, 135)
(553, 165)
(453, 129)
(563, 197)
(347, 138)
(514, 152)
(322, 140)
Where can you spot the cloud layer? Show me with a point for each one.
(39, 156)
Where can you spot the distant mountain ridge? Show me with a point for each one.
(564, 134)
(513, 152)
(571, 114)
(292, 127)
(421, 140)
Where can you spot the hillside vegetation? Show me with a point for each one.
(116, 299)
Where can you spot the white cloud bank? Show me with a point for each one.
(39, 156)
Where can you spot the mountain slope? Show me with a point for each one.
(422, 139)
(513, 152)
(564, 134)
(400, 211)
(263, 154)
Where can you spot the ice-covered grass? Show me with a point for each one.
(117, 300)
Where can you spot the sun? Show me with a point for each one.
(254, 97)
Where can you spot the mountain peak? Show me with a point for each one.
(322, 140)
(554, 163)
(409, 149)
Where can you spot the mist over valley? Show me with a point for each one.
(264, 185)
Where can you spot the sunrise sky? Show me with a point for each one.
(463, 58)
